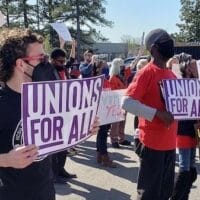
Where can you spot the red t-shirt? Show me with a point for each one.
(183, 141)
(106, 85)
(62, 75)
(145, 88)
(116, 83)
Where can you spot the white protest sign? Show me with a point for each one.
(2, 19)
(59, 114)
(110, 110)
(198, 68)
(62, 31)
(182, 98)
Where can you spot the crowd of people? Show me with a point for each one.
(157, 134)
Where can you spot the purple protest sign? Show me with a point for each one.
(182, 98)
(59, 114)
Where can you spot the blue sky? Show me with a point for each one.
(133, 17)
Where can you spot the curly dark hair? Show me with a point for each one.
(57, 52)
(13, 45)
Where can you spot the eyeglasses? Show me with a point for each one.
(60, 61)
(38, 57)
(89, 55)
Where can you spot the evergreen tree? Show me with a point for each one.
(85, 15)
(7, 7)
(18, 13)
(190, 17)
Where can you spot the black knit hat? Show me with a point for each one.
(156, 36)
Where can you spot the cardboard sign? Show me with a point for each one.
(62, 31)
(110, 107)
(182, 98)
(59, 114)
(2, 19)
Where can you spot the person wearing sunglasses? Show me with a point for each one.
(60, 63)
(61, 67)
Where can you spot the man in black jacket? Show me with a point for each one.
(57, 69)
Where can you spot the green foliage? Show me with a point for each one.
(81, 16)
(19, 13)
(190, 26)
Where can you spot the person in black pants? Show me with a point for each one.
(102, 153)
(56, 70)
(157, 127)
(21, 177)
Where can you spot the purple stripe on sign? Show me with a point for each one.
(51, 145)
(182, 114)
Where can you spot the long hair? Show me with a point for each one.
(115, 66)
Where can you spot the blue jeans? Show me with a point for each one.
(186, 158)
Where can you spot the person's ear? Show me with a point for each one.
(19, 64)
(154, 49)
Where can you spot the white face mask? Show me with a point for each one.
(176, 70)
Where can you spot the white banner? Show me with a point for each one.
(110, 110)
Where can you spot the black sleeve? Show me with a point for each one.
(44, 73)
(69, 62)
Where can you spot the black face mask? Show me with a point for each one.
(59, 67)
(166, 49)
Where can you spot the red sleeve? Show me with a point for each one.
(115, 83)
(106, 84)
(139, 86)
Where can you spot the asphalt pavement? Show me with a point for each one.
(95, 182)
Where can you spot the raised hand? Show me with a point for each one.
(62, 42)
(95, 126)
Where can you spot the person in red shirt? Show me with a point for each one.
(117, 82)
(186, 142)
(156, 125)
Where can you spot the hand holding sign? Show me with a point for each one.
(166, 117)
(22, 156)
(95, 126)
